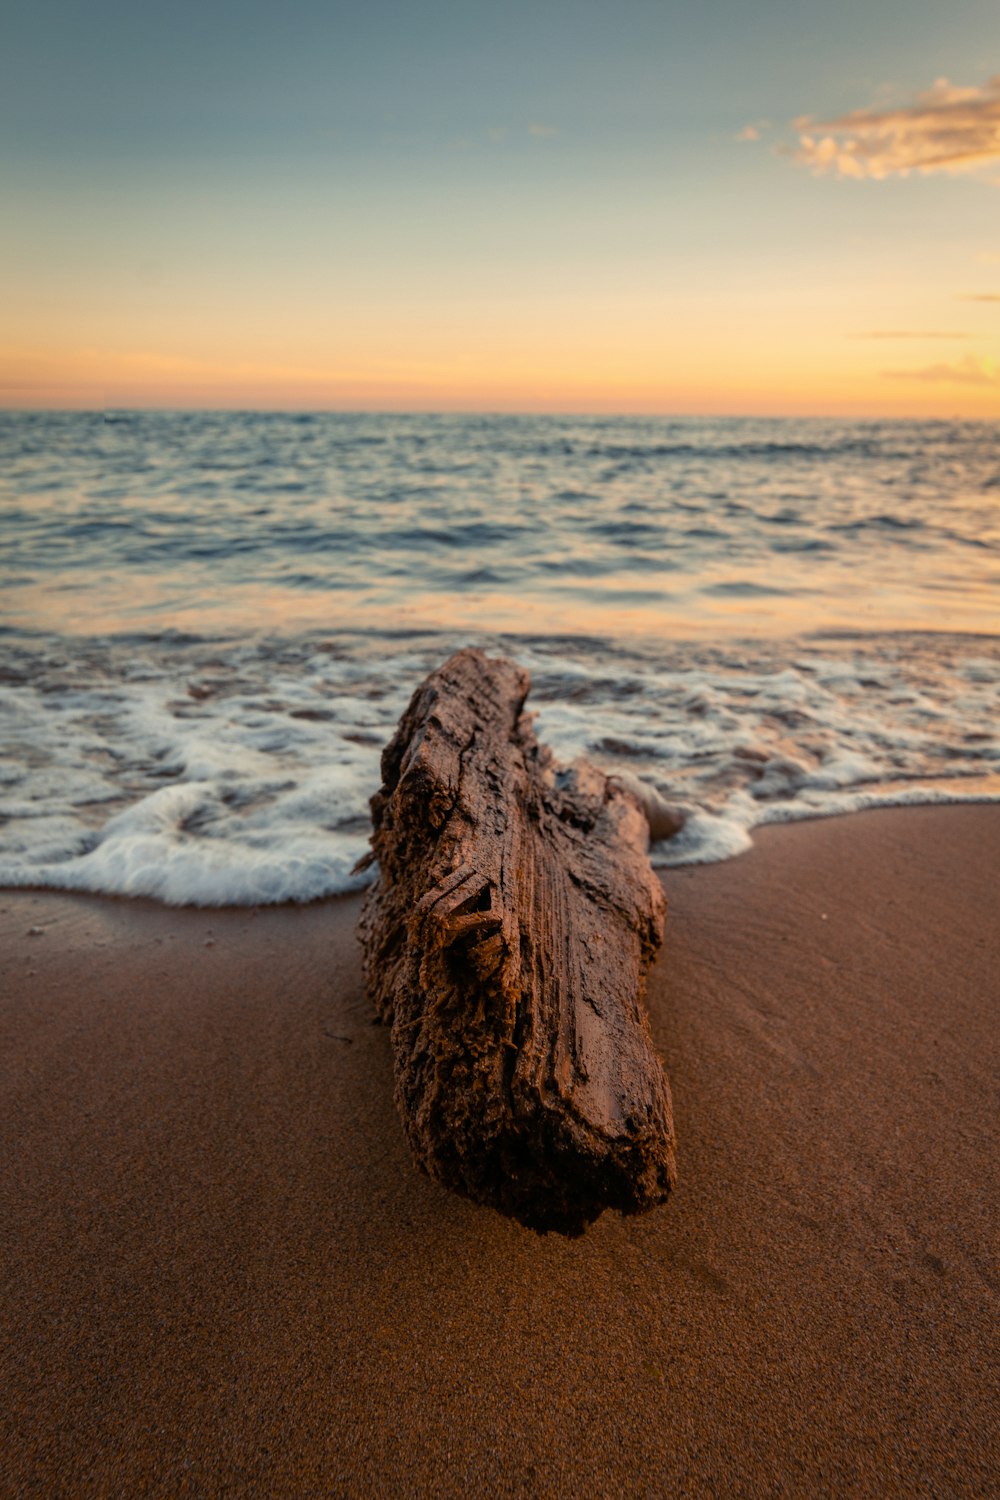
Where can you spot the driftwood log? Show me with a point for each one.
(507, 940)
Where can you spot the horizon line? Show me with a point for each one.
(492, 412)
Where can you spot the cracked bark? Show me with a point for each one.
(507, 941)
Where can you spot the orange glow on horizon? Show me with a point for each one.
(774, 383)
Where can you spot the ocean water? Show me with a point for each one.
(212, 622)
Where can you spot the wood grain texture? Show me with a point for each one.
(507, 941)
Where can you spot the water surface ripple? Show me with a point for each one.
(213, 622)
(223, 521)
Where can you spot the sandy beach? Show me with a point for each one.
(223, 1276)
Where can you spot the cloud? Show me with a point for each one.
(978, 297)
(967, 371)
(946, 129)
(753, 130)
(542, 130)
(909, 333)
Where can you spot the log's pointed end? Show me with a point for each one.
(662, 819)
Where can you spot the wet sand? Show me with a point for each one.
(222, 1275)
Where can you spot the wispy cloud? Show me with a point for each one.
(945, 129)
(911, 333)
(542, 130)
(978, 297)
(967, 371)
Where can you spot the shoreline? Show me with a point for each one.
(196, 774)
(225, 1272)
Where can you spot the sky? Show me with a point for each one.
(655, 206)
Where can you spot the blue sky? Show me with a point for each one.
(334, 205)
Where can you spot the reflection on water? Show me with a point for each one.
(214, 622)
(687, 529)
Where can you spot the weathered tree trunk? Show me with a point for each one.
(507, 940)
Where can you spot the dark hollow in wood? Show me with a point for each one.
(507, 941)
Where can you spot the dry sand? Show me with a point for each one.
(222, 1276)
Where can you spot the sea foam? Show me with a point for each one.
(239, 773)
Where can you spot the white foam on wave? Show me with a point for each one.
(240, 774)
(736, 739)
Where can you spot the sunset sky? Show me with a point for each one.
(787, 207)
